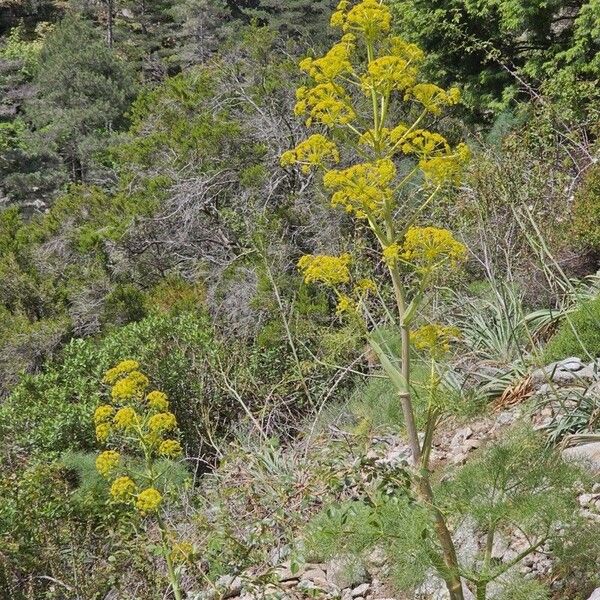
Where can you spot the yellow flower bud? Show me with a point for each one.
(170, 448)
(165, 421)
(102, 432)
(126, 418)
(122, 489)
(148, 500)
(158, 401)
(107, 461)
(103, 413)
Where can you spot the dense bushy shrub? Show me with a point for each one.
(51, 412)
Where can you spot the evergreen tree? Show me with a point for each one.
(482, 45)
(83, 91)
(296, 18)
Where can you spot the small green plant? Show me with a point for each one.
(518, 484)
(578, 334)
(136, 426)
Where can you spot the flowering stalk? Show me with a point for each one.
(385, 70)
(137, 419)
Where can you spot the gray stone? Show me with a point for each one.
(563, 376)
(572, 363)
(591, 371)
(595, 595)
(346, 572)
(587, 454)
(314, 574)
(360, 590)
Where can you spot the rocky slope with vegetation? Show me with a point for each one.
(299, 300)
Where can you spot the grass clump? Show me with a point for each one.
(577, 335)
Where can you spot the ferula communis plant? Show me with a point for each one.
(381, 164)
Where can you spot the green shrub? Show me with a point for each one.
(577, 335)
(51, 412)
(586, 209)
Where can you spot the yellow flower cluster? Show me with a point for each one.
(126, 418)
(366, 286)
(388, 73)
(391, 254)
(428, 248)
(330, 270)
(162, 422)
(424, 143)
(107, 462)
(432, 97)
(411, 53)
(103, 413)
(316, 151)
(434, 338)
(122, 489)
(334, 64)
(148, 500)
(102, 432)
(345, 305)
(134, 417)
(447, 168)
(170, 448)
(437, 160)
(370, 18)
(363, 189)
(122, 368)
(130, 387)
(182, 552)
(326, 103)
(158, 401)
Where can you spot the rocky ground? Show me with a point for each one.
(552, 393)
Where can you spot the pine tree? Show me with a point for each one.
(83, 91)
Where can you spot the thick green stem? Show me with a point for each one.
(405, 399)
(481, 590)
(450, 572)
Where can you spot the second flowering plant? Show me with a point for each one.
(139, 434)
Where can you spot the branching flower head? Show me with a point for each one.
(170, 449)
(103, 432)
(363, 189)
(130, 387)
(126, 418)
(331, 66)
(103, 413)
(330, 270)
(158, 401)
(122, 489)
(326, 103)
(370, 18)
(123, 368)
(107, 462)
(182, 552)
(148, 501)
(435, 339)
(429, 248)
(432, 97)
(345, 304)
(388, 73)
(162, 422)
(314, 152)
(448, 168)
